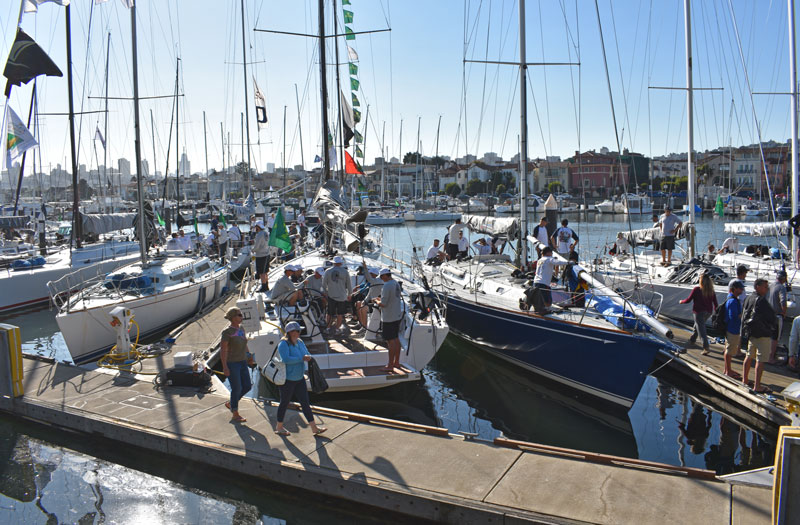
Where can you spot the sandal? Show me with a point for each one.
(763, 390)
(320, 430)
(735, 375)
(228, 405)
(283, 432)
(239, 419)
(705, 351)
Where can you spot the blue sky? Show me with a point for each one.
(417, 71)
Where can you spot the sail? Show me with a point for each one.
(506, 226)
(758, 229)
(649, 235)
(328, 202)
(99, 223)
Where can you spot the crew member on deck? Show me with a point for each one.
(435, 253)
(284, 290)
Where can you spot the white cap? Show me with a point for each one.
(373, 270)
(320, 270)
(288, 268)
(297, 267)
(385, 271)
(260, 224)
(338, 260)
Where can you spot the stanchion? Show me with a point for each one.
(10, 361)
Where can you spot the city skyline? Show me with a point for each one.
(418, 77)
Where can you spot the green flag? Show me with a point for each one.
(348, 34)
(353, 68)
(361, 186)
(359, 153)
(354, 83)
(356, 103)
(396, 202)
(279, 236)
(160, 220)
(356, 113)
(222, 219)
(345, 2)
(358, 136)
(348, 16)
(720, 207)
(196, 228)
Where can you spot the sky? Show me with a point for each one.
(413, 77)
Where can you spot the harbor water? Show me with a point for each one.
(465, 389)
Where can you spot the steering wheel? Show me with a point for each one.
(310, 296)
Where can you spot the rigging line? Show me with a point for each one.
(85, 76)
(669, 108)
(704, 142)
(546, 91)
(711, 51)
(538, 117)
(755, 117)
(483, 92)
(614, 118)
(622, 84)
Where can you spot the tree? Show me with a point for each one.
(411, 157)
(500, 189)
(554, 187)
(438, 161)
(84, 190)
(452, 189)
(474, 186)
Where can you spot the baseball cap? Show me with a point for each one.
(782, 273)
(320, 270)
(293, 326)
(667, 208)
(373, 270)
(338, 260)
(260, 224)
(385, 271)
(742, 268)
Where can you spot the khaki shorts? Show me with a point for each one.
(757, 346)
(734, 342)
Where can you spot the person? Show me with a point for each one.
(463, 246)
(729, 245)
(233, 356)
(733, 327)
(375, 285)
(794, 343)
(776, 295)
(284, 290)
(435, 253)
(704, 302)
(741, 275)
(314, 281)
(544, 274)
(758, 325)
(656, 237)
(562, 239)
(669, 225)
(222, 242)
(271, 220)
(338, 290)
(711, 252)
(301, 221)
(211, 241)
(391, 304)
(174, 242)
(621, 245)
(184, 242)
(497, 245)
(540, 233)
(453, 234)
(261, 252)
(482, 247)
(235, 236)
(575, 284)
(294, 355)
(794, 225)
(214, 222)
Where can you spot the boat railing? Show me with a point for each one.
(62, 289)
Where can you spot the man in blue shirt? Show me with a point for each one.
(733, 321)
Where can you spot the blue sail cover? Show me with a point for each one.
(613, 313)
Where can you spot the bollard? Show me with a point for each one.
(551, 212)
(10, 361)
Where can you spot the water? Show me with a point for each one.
(464, 389)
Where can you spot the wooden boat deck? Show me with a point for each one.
(345, 345)
(365, 371)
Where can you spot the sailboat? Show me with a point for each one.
(159, 291)
(605, 349)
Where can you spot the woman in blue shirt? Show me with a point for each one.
(294, 353)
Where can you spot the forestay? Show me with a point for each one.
(503, 226)
(758, 229)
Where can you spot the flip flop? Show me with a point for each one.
(763, 390)
(239, 419)
(283, 432)
(320, 430)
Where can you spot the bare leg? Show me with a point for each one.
(759, 371)
(663, 256)
(726, 356)
(745, 370)
(772, 350)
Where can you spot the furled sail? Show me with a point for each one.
(758, 229)
(98, 223)
(504, 226)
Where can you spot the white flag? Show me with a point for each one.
(261, 106)
(351, 53)
(347, 111)
(99, 136)
(18, 138)
(32, 6)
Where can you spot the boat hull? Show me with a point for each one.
(608, 364)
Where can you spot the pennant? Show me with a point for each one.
(353, 68)
(27, 60)
(317, 158)
(351, 54)
(351, 167)
(18, 138)
(356, 103)
(99, 136)
(222, 219)
(196, 227)
(356, 116)
(361, 186)
(345, 2)
(348, 34)
(279, 236)
(127, 3)
(354, 83)
(32, 6)
(359, 153)
(348, 16)
(359, 137)
(719, 208)
(160, 220)
(261, 106)
(347, 119)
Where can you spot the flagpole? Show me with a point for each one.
(326, 155)
(77, 226)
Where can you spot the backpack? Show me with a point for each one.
(718, 319)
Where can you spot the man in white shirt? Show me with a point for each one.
(222, 242)
(562, 239)
(731, 245)
(301, 220)
(669, 224)
(463, 246)
(184, 242)
(434, 253)
(235, 235)
(271, 220)
(544, 274)
(173, 243)
(453, 237)
(482, 247)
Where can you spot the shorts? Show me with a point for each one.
(391, 330)
(261, 265)
(757, 346)
(546, 292)
(733, 343)
(668, 242)
(452, 250)
(338, 307)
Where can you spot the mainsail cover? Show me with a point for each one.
(98, 223)
(506, 226)
(649, 235)
(14, 221)
(758, 229)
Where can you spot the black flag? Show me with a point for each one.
(26, 61)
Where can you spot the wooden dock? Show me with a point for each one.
(422, 472)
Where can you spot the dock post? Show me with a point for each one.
(10, 361)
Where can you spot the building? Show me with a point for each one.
(124, 168)
(184, 166)
(598, 174)
(551, 176)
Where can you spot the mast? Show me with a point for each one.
(399, 170)
(523, 137)
(339, 109)
(105, 118)
(300, 130)
(326, 156)
(247, 113)
(136, 140)
(205, 142)
(224, 171)
(436, 157)
(77, 225)
(177, 143)
(416, 167)
(155, 163)
(241, 123)
(690, 123)
(284, 146)
(793, 92)
(383, 164)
